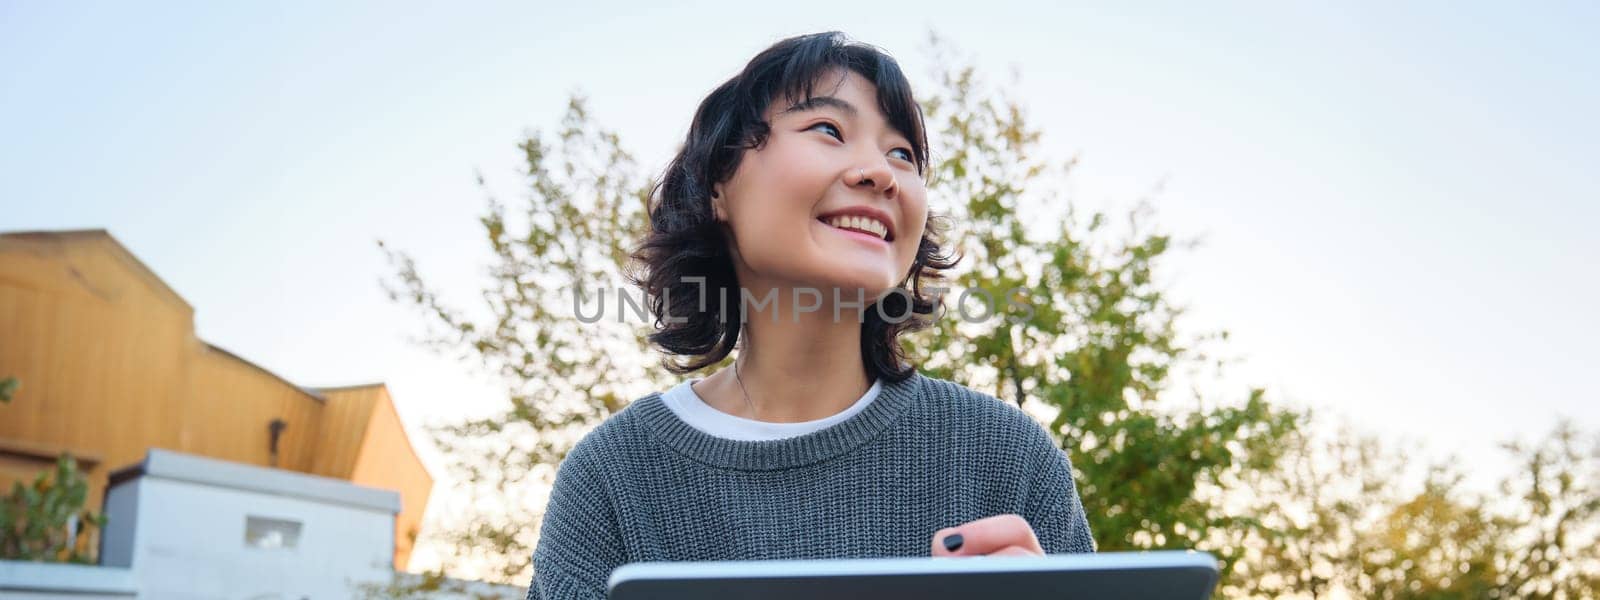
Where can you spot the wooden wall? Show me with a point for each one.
(110, 366)
(230, 404)
(100, 350)
(387, 459)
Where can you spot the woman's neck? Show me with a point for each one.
(795, 366)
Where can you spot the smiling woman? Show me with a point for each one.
(803, 174)
(814, 128)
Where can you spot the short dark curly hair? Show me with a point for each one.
(686, 242)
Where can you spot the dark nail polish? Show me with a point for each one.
(953, 542)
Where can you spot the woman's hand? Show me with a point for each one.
(1000, 535)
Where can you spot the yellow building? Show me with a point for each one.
(110, 366)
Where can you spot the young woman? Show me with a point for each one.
(793, 225)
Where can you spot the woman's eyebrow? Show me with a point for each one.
(847, 108)
(816, 102)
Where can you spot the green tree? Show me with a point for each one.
(1440, 543)
(47, 521)
(1338, 520)
(1552, 523)
(1314, 513)
(585, 206)
(1094, 337)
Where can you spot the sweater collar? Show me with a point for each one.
(894, 399)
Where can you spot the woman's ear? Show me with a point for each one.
(719, 201)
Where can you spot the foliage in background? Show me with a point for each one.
(1550, 538)
(1338, 521)
(1314, 509)
(47, 521)
(585, 204)
(429, 585)
(1094, 337)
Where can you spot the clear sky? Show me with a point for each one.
(1396, 201)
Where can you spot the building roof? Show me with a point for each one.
(312, 392)
(149, 278)
(178, 466)
(136, 266)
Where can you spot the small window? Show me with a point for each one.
(270, 534)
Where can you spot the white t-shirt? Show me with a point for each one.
(689, 407)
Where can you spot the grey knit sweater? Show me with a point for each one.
(926, 454)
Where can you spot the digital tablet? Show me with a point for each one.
(1165, 575)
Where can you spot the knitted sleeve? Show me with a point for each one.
(579, 541)
(1053, 507)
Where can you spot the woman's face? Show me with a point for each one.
(833, 155)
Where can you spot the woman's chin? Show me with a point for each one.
(863, 286)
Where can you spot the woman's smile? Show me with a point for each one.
(871, 239)
(867, 229)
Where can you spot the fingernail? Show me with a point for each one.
(953, 542)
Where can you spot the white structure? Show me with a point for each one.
(183, 527)
(193, 527)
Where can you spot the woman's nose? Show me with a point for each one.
(878, 177)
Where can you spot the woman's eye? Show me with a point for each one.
(905, 155)
(834, 130)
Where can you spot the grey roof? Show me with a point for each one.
(64, 580)
(177, 466)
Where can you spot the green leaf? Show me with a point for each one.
(8, 388)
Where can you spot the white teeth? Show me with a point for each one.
(860, 224)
